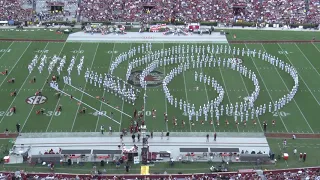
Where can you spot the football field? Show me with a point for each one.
(299, 116)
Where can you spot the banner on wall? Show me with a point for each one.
(144, 170)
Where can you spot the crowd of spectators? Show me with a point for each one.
(269, 11)
(13, 10)
(227, 11)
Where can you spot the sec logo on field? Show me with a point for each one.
(36, 100)
(153, 79)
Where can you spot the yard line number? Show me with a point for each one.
(52, 113)
(147, 113)
(281, 113)
(283, 52)
(104, 113)
(5, 50)
(4, 113)
(77, 51)
(112, 52)
(42, 51)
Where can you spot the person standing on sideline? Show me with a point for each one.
(167, 135)
(295, 151)
(215, 136)
(133, 138)
(265, 126)
(284, 143)
(151, 134)
(304, 157)
(102, 129)
(110, 130)
(18, 128)
(300, 157)
(207, 137)
(121, 137)
(127, 167)
(161, 134)
(6, 132)
(139, 136)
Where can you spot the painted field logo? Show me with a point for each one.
(153, 79)
(36, 100)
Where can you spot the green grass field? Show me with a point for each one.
(298, 116)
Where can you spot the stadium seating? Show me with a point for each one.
(275, 11)
(14, 10)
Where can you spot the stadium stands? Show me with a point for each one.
(13, 10)
(275, 11)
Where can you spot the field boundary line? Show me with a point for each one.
(62, 88)
(315, 46)
(21, 85)
(266, 88)
(25, 122)
(290, 135)
(245, 86)
(84, 87)
(104, 92)
(34, 40)
(289, 90)
(15, 64)
(271, 41)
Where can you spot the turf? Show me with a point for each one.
(271, 35)
(298, 116)
(33, 34)
(308, 146)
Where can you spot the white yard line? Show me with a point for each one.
(248, 91)
(265, 85)
(25, 122)
(208, 99)
(26, 79)
(315, 46)
(6, 50)
(62, 88)
(121, 116)
(289, 90)
(15, 64)
(308, 60)
(165, 99)
(224, 83)
(302, 78)
(104, 92)
(186, 91)
(84, 87)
